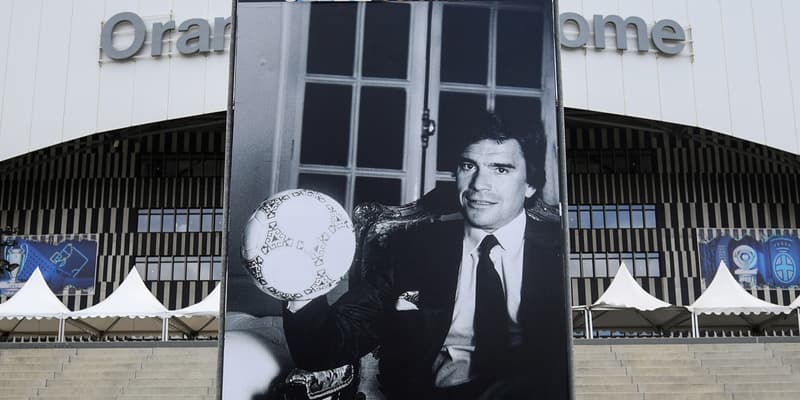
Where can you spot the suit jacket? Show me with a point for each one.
(427, 259)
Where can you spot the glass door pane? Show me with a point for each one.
(355, 112)
(490, 58)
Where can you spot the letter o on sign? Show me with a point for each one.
(583, 30)
(106, 36)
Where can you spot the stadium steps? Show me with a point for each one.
(149, 373)
(709, 371)
(23, 371)
(729, 371)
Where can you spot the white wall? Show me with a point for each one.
(56, 86)
(738, 75)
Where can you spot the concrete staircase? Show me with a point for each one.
(129, 373)
(604, 370)
(708, 371)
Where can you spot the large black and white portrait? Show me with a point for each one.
(434, 125)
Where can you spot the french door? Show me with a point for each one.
(367, 68)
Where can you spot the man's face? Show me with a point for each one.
(491, 183)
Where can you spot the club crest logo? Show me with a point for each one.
(745, 257)
(784, 267)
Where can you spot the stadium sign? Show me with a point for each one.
(667, 36)
(196, 35)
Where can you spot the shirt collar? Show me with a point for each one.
(509, 236)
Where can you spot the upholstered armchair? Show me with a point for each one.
(374, 223)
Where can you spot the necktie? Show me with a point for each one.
(491, 316)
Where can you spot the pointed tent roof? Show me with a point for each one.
(34, 300)
(795, 303)
(130, 299)
(199, 318)
(726, 296)
(207, 307)
(624, 304)
(625, 292)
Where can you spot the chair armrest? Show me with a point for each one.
(338, 383)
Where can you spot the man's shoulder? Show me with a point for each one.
(543, 233)
(449, 227)
(427, 233)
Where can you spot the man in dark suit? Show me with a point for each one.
(472, 308)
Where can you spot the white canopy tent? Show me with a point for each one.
(35, 301)
(725, 296)
(131, 308)
(795, 305)
(625, 304)
(202, 316)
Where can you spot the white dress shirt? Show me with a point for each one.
(452, 365)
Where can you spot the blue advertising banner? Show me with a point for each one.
(757, 258)
(65, 262)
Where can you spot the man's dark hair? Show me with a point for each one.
(531, 140)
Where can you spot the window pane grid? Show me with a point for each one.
(179, 268)
(179, 220)
(383, 72)
(611, 216)
(606, 265)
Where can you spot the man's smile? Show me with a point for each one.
(479, 203)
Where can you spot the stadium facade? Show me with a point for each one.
(691, 122)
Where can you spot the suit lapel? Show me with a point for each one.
(528, 272)
(543, 312)
(543, 295)
(443, 260)
(540, 273)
